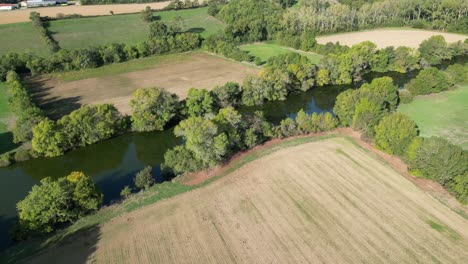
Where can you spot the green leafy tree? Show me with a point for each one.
(158, 30)
(48, 139)
(434, 50)
(227, 95)
(152, 108)
(345, 105)
(323, 77)
(459, 187)
(180, 160)
(436, 158)
(144, 178)
(199, 102)
(430, 80)
(394, 133)
(381, 91)
(366, 115)
(147, 14)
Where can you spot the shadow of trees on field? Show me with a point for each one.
(55, 107)
(196, 30)
(70, 248)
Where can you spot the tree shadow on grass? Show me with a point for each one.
(70, 248)
(196, 30)
(55, 107)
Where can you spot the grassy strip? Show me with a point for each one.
(22, 37)
(6, 137)
(266, 50)
(156, 193)
(119, 68)
(444, 114)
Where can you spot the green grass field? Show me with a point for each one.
(444, 114)
(128, 29)
(21, 37)
(267, 50)
(119, 68)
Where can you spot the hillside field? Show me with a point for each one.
(129, 29)
(389, 37)
(444, 114)
(293, 205)
(22, 15)
(267, 50)
(62, 93)
(21, 37)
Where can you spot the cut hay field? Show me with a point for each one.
(389, 37)
(21, 37)
(129, 29)
(294, 205)
(444, 114)
(115, 84)
(267, 50)
(22, 15)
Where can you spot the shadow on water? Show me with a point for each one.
(6, 142)
(5, 221)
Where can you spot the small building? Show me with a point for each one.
(8, 6)
(38, 3)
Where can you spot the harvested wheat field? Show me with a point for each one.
(389, 37)
(22, 15)
(176, 73)
(319, 202)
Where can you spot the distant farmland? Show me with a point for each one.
(389, 37)
(294, 205)
(115, 83)
(267, 50)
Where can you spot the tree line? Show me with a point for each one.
(38, 23)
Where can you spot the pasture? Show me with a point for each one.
(115, 83)
(444, 114)
(21, 37)
(291, 205)
(264, 51)
(389, 37)
(129, 29)
(6, 118)
(22, 15)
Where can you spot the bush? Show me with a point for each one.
(5, 159)
(458, 73)
(227, 95)
(405, 96)
(180, 160)
(147, 14)
(22, 155)
(430, 80)
(144, 179)
(126, 192)
(394, 133)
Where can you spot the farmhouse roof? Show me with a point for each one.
(7, 4)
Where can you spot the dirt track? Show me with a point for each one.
(15, 16)
(295, 205)
(389, 37)
(197, 70)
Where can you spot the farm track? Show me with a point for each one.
(22, 15)
(327, 201)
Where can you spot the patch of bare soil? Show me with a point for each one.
(22, 15)
(389, 37)
(199, 70)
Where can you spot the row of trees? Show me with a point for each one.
(82, 127)
(45, 34)
(161, 39)
(326, 16)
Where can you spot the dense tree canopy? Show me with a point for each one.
(430, 80)
(55, 202)
(153, 108)
(394, 133)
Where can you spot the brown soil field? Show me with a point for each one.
(199, 70)
(329, 201)
(22, 15)
(389, 37)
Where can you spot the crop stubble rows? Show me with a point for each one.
(325, 201)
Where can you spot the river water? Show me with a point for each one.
(114, 162)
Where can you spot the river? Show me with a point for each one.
(114, 162)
